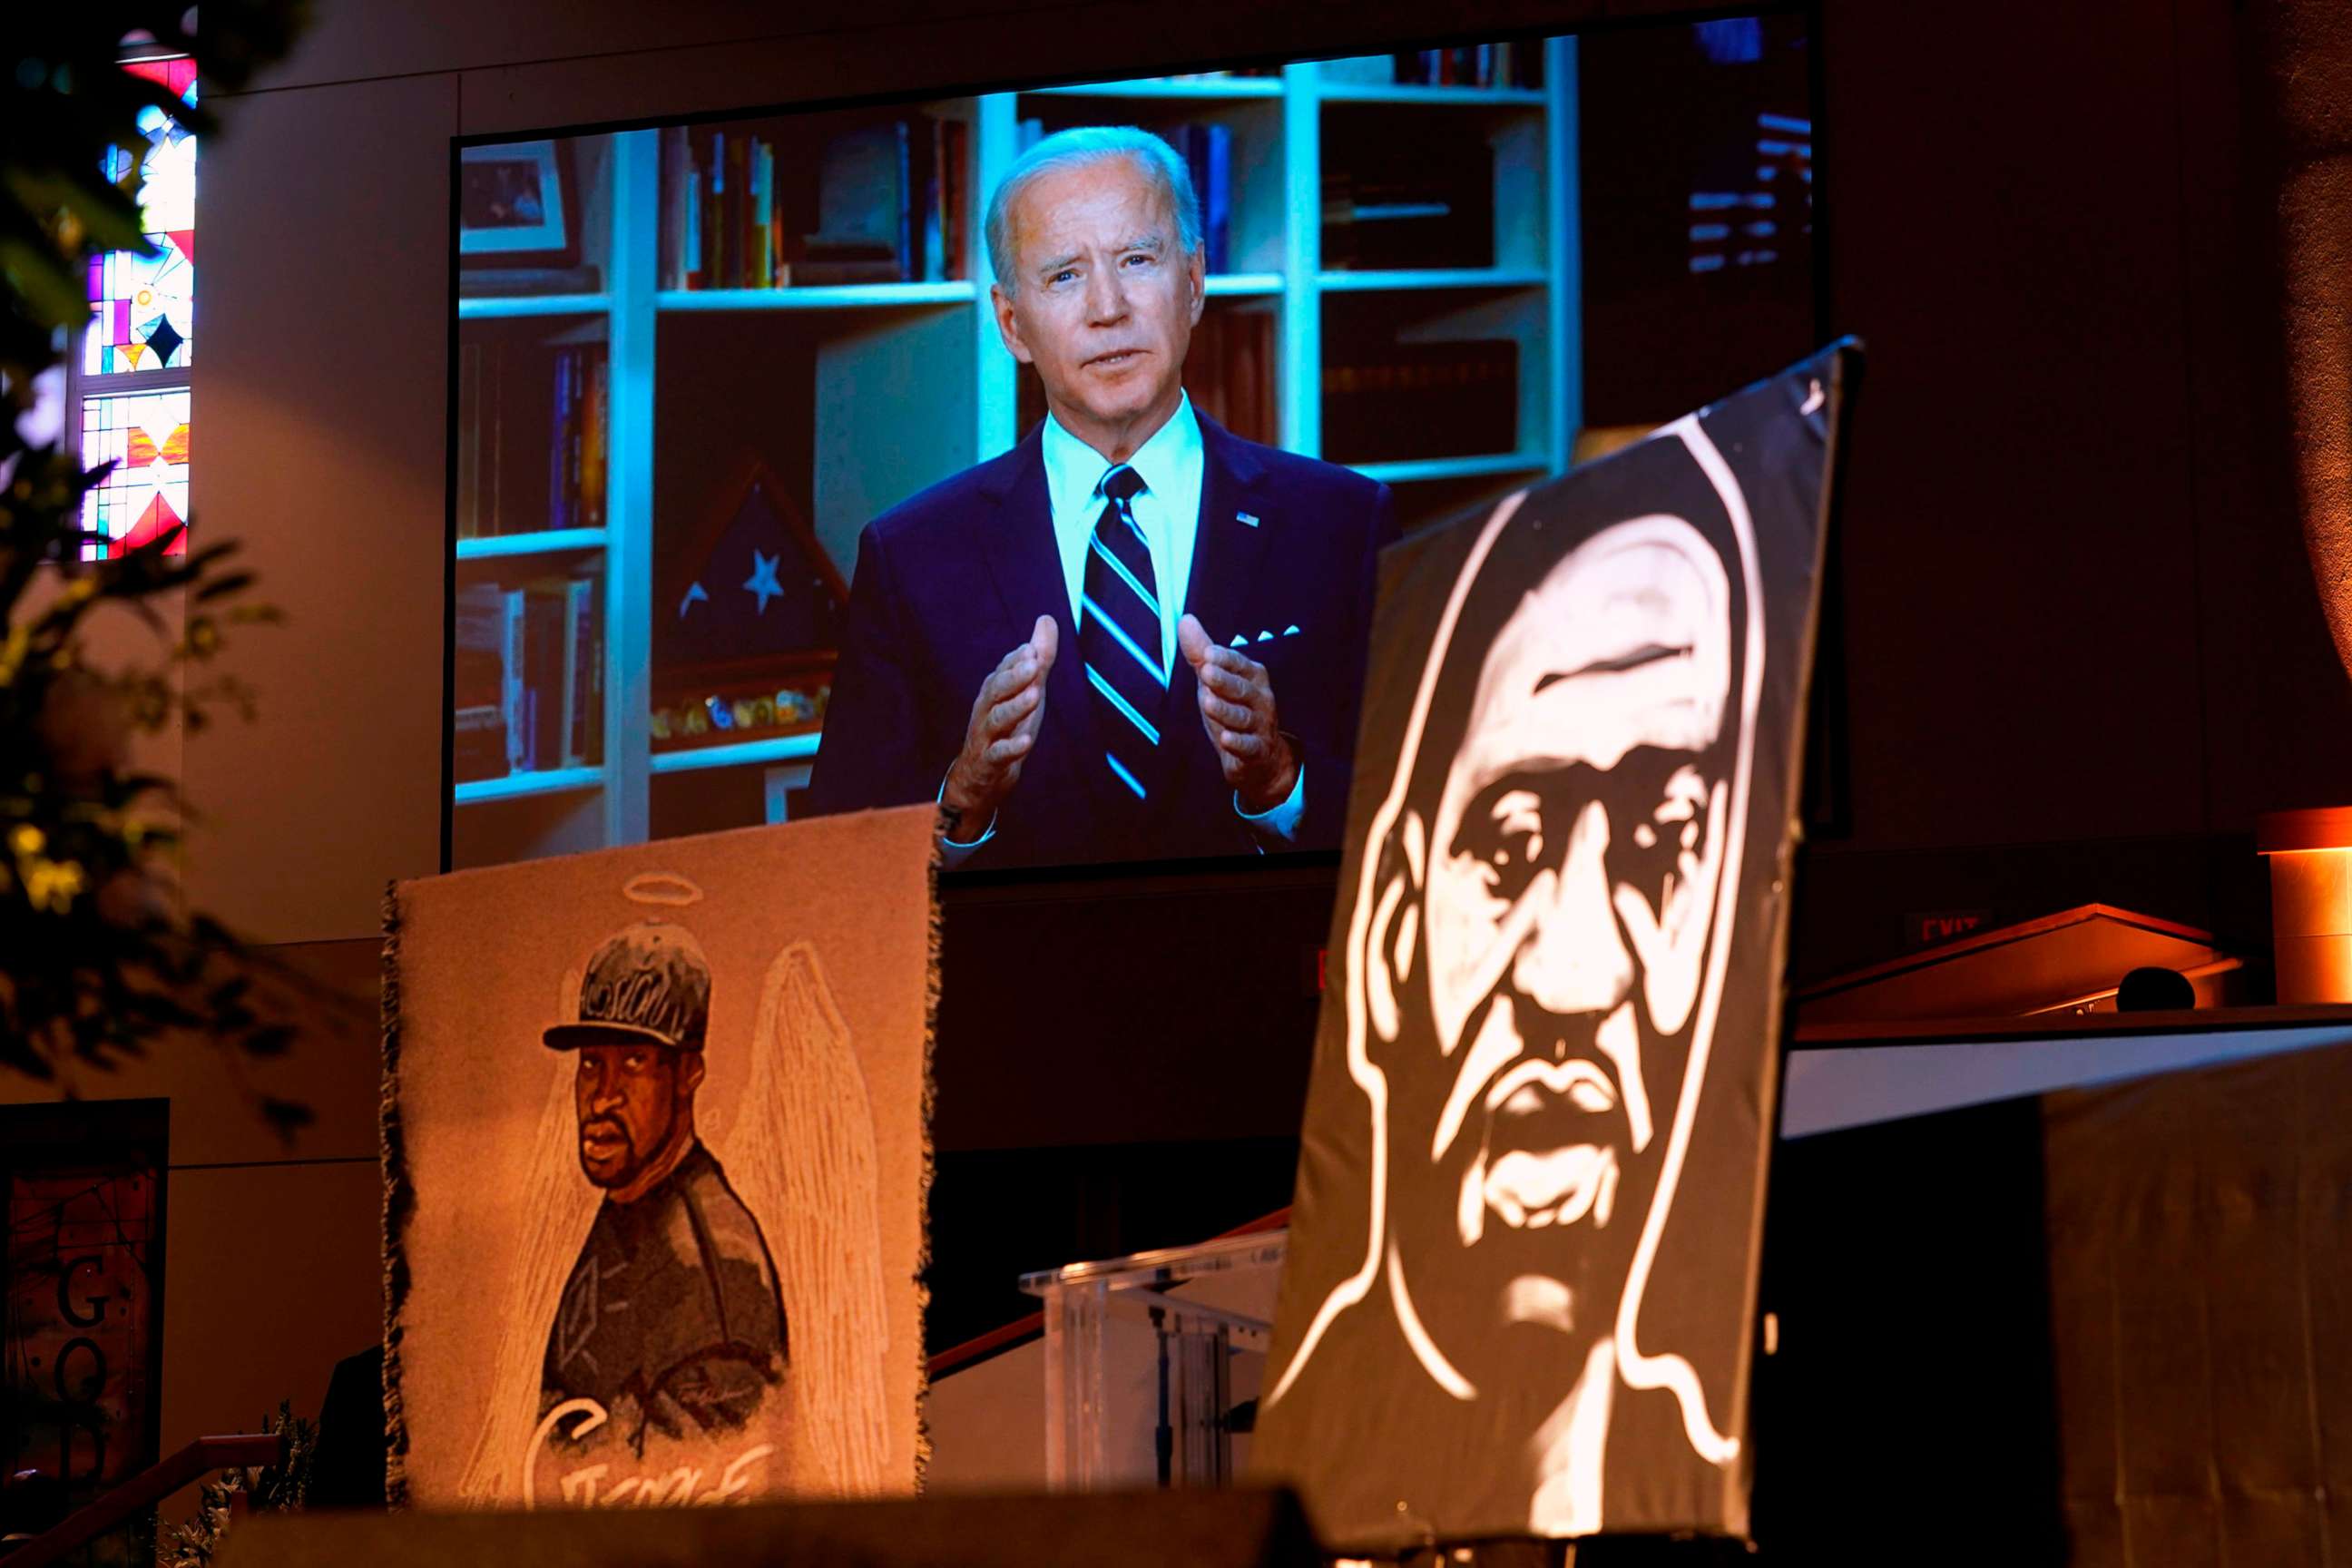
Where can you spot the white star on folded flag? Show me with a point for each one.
(763, 580)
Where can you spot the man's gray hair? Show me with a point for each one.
(1080, 145)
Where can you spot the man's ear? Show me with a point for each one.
(1395, 927)
(1196, 274)
(1009, 328)
(690, 1072)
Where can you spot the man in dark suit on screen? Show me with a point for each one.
(1136, 634)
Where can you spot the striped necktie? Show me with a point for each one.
(1118, 638)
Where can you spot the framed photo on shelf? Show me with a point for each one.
(517, 205)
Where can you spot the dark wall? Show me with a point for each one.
(2083, 645)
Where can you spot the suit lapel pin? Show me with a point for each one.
(1246, 519)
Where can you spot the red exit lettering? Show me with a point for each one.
(1928, 930)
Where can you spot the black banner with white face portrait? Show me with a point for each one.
(1520, 1294)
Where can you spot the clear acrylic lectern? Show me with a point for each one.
(1147, 1358)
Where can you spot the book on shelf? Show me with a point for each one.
(533, 449)
(889, 203)
(1398, 402)
(1229, 372)
(560, 455)
(1208, 149)
(530, 682)
(863, 197)
(583, 678)
(477, 743)
(929, 238)
(548, 686)
(481, 439)
(514, 696)
(595, 437)
(1361, 70)
(479, 747)
(716, 261)
(760, 227)
(955, 198)
(1512, 64)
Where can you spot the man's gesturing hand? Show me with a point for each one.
(1238, 710)
(1005, 720)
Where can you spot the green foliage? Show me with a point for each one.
(97, 958)
(273, 1489)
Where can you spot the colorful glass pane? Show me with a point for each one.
(178, 74)
(145, 435)
(143, 308)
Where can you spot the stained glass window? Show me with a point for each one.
(143, 308)
(130, 388)
(145, 435)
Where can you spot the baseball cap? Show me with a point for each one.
(649, 983)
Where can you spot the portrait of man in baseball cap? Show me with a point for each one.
(671, 1319)
(656, 1135)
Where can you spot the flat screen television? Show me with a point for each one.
(787, 445)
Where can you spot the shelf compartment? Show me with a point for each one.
(1434, 278)
(515, 786)
(512, 307)
(833, 296)
(774, 749)
(548, 542)
(1213, 89)
(1426, 469)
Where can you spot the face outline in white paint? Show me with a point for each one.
(1542, 928)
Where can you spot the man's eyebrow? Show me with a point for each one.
(1150, 242)
(1648, 653)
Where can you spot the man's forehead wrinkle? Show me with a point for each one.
(1607, 604)
(1625, 642)
(1648, 653)
(1593, 718)
(1135, 211)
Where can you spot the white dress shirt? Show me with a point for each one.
(1167, 509)
(1168, 513)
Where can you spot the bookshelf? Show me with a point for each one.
(689, 374)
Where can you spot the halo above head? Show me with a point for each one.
(661, 888)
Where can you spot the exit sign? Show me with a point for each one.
(1944, 925)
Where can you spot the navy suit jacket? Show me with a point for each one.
(949, 582)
